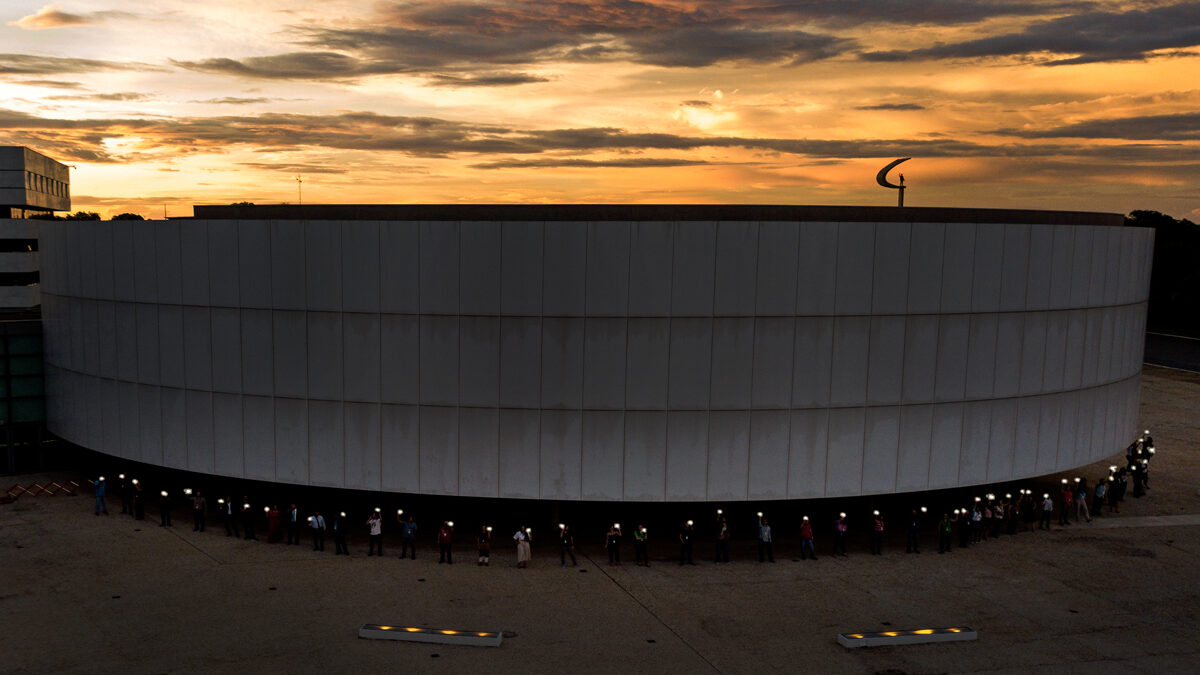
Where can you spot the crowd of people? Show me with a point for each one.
(989, 517)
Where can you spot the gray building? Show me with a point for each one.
(638, 353)
(32, 183)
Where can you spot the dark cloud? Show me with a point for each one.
(295, 168)
(696, 104)
(52, 84)
(290, 66)
(115, 96)
(27, 64)
(843, 13)
(234, 100)
(705, 46)
(1180, 127)
(630, 163)
(892, 106)
(485, 80)
(1090, 37)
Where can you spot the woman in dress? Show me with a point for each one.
(523, 537)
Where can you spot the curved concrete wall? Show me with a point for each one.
(597, 360)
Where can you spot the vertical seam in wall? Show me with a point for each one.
(541, 357)
(787, 470)
(587, 248)
(458, 390)
(379, 331)
(753, 337)
(499, 355)
(677, 230)
(271, 315)
(967, 363)
(862, 475)
(904, 361)
(712, 321)
(625, 370)
(307, 224)
(837, 251)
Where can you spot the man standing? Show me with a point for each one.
(877, 535)
(248, 518)
(612, 542)
(765, 545)
(408, 537)
(375, 523)
(1047, 511)
(1081, 499)
(318, 531)
(685, 544)
(101, 492)
(639, 546)
(839, 536)
(230, 516)
(164, 509)
(722, 555)
(806, 540)
(339, 535)
(293, 526)
(945, 533)
(445, 543)
(566, 542)
(913, 545)
(199, 511)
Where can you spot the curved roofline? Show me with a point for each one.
(650, 212)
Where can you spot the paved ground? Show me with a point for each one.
(1173, 351)
(82, 594)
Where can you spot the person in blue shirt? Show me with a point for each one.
(101, 492)
(765, 545)
(408, 537)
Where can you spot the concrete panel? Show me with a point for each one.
(855, 264)
(170, 344)
(106, 328)
(291, 350)
(254, 265)
(257, 352)
(981, 356)
(603, 470)
(145, 261)
(322, 264)
(687, 456)
(913, 455)
(147, 342)
(439, 267)
(478, 452)
(520, 362)
(400, 456)
(1081, 267)
(520, 473)
(890, 294)
(169, 259)
(258, 437)
(728, 454)
(604, 364)
(958, 258)
(130, 427)
(1010, 333)
(812, 361)
(885, 369)
(122, 252)
(1014, 280)
(198, 354)
(778, 246)
(1091, 347)
(439, 361)
(194, 262)
(770, 435)
(174, 428)
(920, 358)
(1002, 439)
(227, 434)
(1067, 432)
(1027, 447)
(78, 338)
(563, 290)
(693, 269)
(399, 267)
(736, 269)
(732, 363)
(291, 441)
(1084, 426)
(360, 265)
(127, 345)
(1057, 328)
(362, 443)
(91, 338)
(816, 276)
(562, 363)
(881, 444)
(1099, 265)
(925, 268)
(226, 350)
(691, 353)
(224, 264)
(844, 469)
(973, 459)
(608, 269)
(361, 365)
(110, 419)
(326, 443)
(646, 366)
(774, 341)
(479, 271)
(199, 431)
(851, 344)
(1033, 353)
(324, 355)
(1041, 259)
(645, 458)
(1061, 261)
(1104, 355)
(439, 451)
(945, 446)
(650, 253)
(104, 273)
(400, 357)
(561, 455)
(521, 269)
(479, 361)
(989, 267)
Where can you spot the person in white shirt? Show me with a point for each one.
(522, 537)
(376, 525)
(318, 531)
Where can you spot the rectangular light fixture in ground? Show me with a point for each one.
(906, 637)
(434, 635)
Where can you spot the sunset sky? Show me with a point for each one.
(1055, 104)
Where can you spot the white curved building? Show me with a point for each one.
(648, 353)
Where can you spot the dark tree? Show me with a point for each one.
(127, 216)
(83, 215)
(1175, 279)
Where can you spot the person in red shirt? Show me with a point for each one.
(445, 540)
(806, 540)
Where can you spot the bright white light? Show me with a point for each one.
(719, 512)
(246, 505)
(121, 476)
(1008, 495)
(135, 482)
(562, 526)
(266, 509)
(1112, 467)
(187, 491)
(805, 517)
(842, 514)
(977, 500)
(616, 526)
(489, 528)
(343, 514)
(876, 513)
(101, 479)
(760, 514)
(924, 510)
(220, 501)
(163, 493)
(689, 522)
(1045, 495)
(1077, 479)
(450, 523)
(1064, 481)
(399, 512)
(377, 510)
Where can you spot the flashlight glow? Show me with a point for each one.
(616, 526)
(978, 499)
(562, 526)
(842, 514)
(135, 481)
(163, 493)
(377, 510)
(450, 523)
(1064, 481)
(343, 514)
(689, 522)
(760, 514)
(1045, 495)
(876, 513)
(121, 476)
(266, 509)
(489, 528)
(805, 517)
(1008, 495)
(399, 512)
(246, 505)
(101, 479)
(719, 512)
(220, 501)
(924, 510)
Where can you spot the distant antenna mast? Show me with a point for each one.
(299, 194)
(881, 178)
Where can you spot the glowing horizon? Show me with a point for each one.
(1056, 104)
